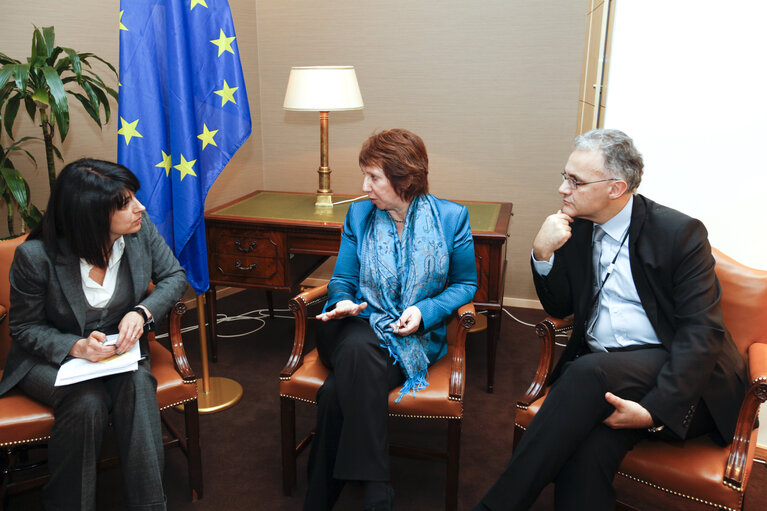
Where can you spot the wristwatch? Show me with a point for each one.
(654, 428)
(148, 322)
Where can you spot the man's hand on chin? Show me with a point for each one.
(627, 414)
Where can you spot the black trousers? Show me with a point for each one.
(567, 443)
(82, 413)
(351, 441)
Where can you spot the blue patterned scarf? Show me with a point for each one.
(397, 272)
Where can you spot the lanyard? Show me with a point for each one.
(610, 269)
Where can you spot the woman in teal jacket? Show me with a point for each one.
(406, 263)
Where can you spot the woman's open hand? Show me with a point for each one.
(408, 323)
(343, 309)
(93, 348)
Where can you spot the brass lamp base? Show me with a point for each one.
(324, 200)
(224, 393)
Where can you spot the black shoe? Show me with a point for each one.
(384, 505)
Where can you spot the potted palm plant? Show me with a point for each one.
(14, 189)
(44, 82)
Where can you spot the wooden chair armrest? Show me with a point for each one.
(3, 312)
(755, 395)
(546, 330)
(298, 305)
(177, 343)
(465, 317)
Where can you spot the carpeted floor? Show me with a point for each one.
(241, 445)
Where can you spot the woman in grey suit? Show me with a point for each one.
(83, 274)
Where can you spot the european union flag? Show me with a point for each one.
(183, 113)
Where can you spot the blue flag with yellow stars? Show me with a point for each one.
(183, 114)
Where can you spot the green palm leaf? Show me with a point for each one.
(21, 76)
(87, 105)
(11, 109)
(49, 35)
(60, 106)
(16, 185)
(74, 59)
(5, 73)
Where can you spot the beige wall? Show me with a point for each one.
(492, 87)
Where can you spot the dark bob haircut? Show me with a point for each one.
(401, 154)
(80, 208)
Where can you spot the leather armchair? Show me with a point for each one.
(697, 473)
(25, 423)
(303, 375)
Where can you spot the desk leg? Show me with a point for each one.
(210, 301)
(270, 303)
(493, 331)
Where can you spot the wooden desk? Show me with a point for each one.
(273, 240)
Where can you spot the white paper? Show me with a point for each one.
(79, 369)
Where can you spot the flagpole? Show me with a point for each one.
(214, 394)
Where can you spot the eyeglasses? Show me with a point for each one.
(574, 183)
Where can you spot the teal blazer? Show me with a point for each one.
(462, 274)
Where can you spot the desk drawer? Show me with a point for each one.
(243, 269)
(246, 242)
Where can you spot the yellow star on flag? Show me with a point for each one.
(128, 130)
(227, 94)
(185, 167)
(195, 3)
(207, 136)
(224, 43)
(122, 27)
(165, 163)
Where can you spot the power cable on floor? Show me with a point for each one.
(259, 315)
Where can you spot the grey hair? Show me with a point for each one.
(622, 160)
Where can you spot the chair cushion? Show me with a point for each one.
(171, 388)
(23, 420)
(431, 402)
(693, 469)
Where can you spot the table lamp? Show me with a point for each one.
(323, 89)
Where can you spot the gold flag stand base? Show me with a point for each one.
(214, 394)
(224, 393)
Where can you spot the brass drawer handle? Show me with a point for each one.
(239, 266)
(245, 250)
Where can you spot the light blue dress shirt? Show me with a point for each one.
(622, 321)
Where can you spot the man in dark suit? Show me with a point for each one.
(648, 355)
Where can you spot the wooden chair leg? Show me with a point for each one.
(288, 428)
(270, 302)
(453, 461)
(518, 432)
(4, 463)
(193, 453)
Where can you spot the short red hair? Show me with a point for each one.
(401, 154)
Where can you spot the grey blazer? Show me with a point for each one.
(48, 306)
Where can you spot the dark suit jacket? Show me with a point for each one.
(48, 306)
(673, 272)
